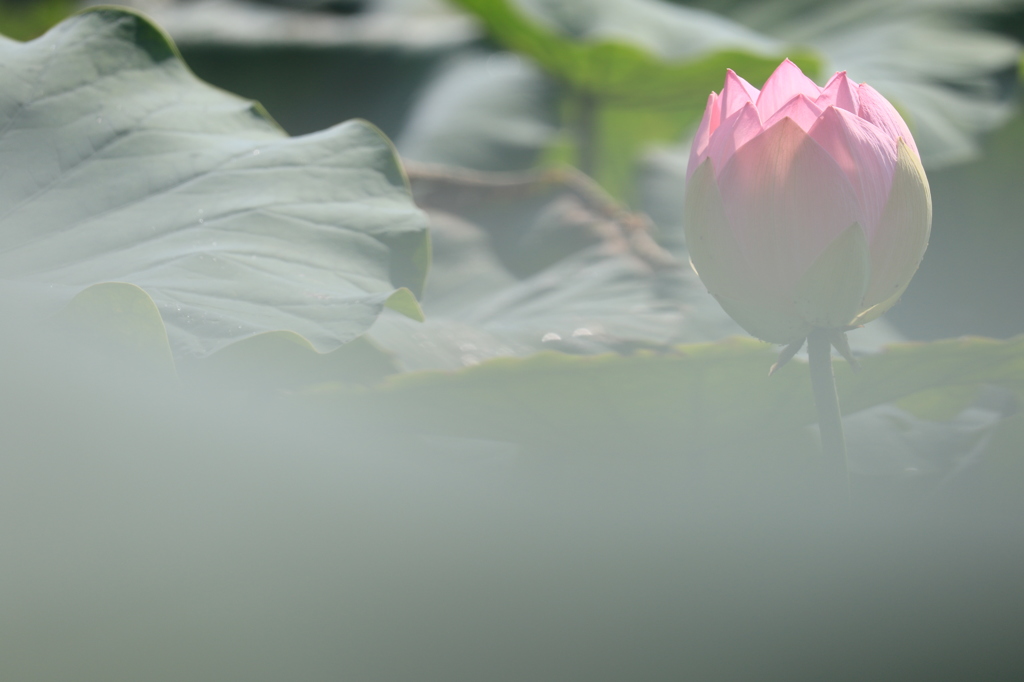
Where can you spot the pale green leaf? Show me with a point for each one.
(121, 166)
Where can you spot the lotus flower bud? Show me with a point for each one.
(805, 206)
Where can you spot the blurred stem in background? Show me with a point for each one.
(586, 131)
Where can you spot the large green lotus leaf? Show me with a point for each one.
(121, 166)
(118, 326)
(539, 271)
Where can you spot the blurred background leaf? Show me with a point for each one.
(489, 111)
(971, 281)
(311, 66)
(635, 73)
(642, 51)
(27, 19)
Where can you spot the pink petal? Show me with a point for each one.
(786, 200)
(734, 132)
(736, 93)
(866, 156)
(717, 258)
(708, 124)
(802, 110)
(784, 84)
(714, 253)
(902, 236)
(876, 109)
(840, 92)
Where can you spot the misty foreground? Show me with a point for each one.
(168, 531)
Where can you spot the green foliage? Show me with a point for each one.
(698, 400)
(639, 53)
(635, 73)
(970, 280)
(120, 318)
(23, 20)
(144, 227)
(129, 169)
(488, 112)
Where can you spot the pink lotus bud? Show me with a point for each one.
(805, 206)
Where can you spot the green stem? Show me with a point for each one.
(586, 133)
(823, 381)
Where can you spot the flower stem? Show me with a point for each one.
(823, 381)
